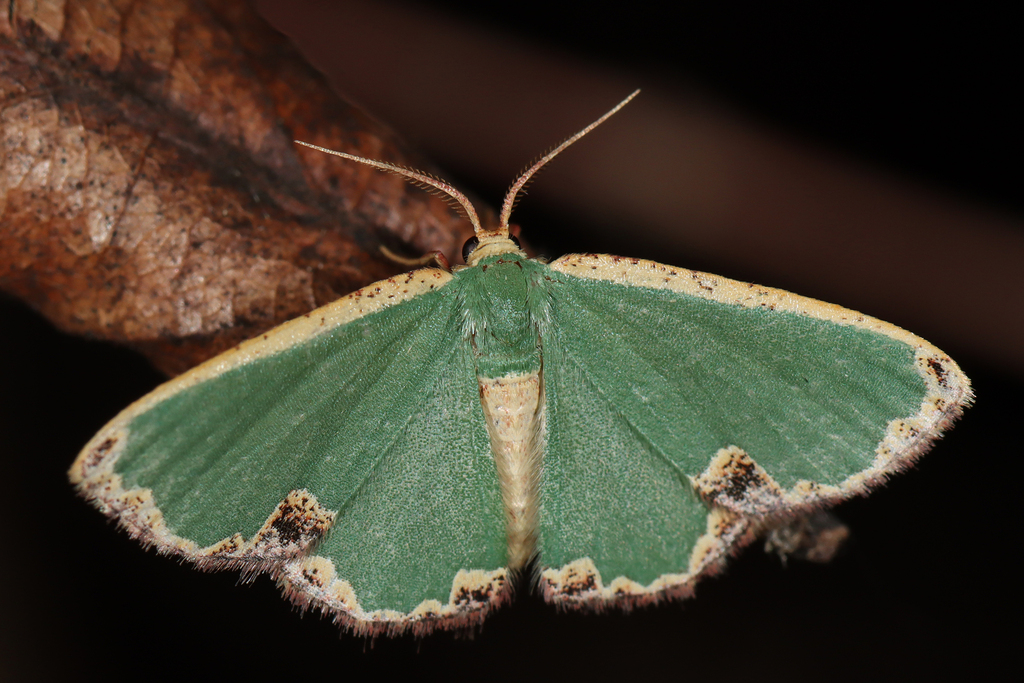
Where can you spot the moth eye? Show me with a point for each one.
(468, 247)
(515, 241)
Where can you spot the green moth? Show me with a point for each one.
(399, 458)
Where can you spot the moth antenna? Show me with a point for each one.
(431, 183)
(526, 186)
(433, 189)
(524, 178)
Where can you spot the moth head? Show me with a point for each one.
(484, 242)
(490, 244)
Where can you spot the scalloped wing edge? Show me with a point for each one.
(295, 524)
(312, 583)
(279, 548)
(298, 522)
(745, 500)
(579, 585)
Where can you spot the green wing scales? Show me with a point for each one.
(347, 453)
(395, 458)
(670, 390)
(350, 441)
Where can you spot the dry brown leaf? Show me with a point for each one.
(150, 192)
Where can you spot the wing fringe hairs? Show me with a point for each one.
(743, 498)
(397, 458)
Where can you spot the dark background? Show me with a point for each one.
(930, 94)
(926, 586)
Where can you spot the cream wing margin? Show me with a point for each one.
(642, 273)
(947, 388)
(362, 302)
(734, 523)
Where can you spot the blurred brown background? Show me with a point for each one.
(863, 157)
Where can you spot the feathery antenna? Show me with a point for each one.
(417, 177)
(426, 180)
(522, 180)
